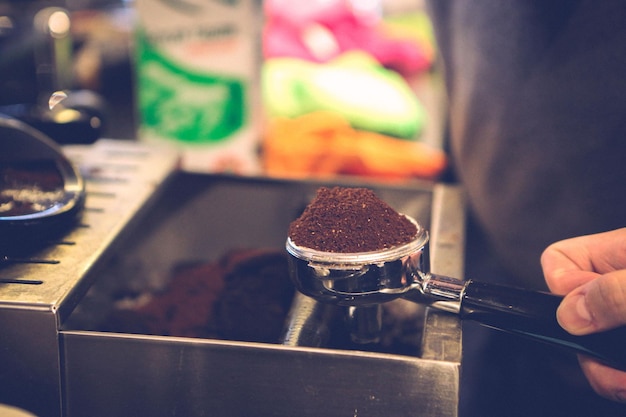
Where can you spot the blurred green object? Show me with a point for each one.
(354, 85)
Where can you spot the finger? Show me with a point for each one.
(607, 382)
(566, 266)
(601, 252)
(562, 281)
(596, 306)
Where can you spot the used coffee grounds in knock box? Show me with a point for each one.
(350, 220)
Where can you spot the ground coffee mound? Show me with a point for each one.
(28, 187)
(350, 220)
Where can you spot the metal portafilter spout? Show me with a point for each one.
(371, 278)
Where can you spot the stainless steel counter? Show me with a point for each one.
(141, 219)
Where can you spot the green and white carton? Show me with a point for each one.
(197, 64)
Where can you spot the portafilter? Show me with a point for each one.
(367, 279)
(42, 193)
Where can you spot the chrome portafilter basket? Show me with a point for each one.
(357, 279)
(362, 281)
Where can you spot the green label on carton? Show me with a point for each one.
(185, 104)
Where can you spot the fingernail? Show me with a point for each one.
(621, 396)
(574, 315)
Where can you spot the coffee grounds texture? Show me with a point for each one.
(350, 220)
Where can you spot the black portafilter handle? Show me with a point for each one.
(532, 314)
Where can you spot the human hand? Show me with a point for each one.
(591, 272)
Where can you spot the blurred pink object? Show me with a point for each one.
(321, 30)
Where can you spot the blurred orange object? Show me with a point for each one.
(323, 144)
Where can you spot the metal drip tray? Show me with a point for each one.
(189, 217)
(202, 217)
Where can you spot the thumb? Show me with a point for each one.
(595, 306)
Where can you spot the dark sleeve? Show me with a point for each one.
(537, 105)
